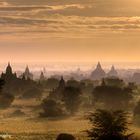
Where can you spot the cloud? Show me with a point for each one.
(24, 8)
(67, 17)
(67, 26)
(47, 2)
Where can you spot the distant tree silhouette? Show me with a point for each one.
(5, 98)
(51, 83)
(114, 82)
(72, 98)
(113, 96)
(108, 125)
(2, 82)
(57, 93)
(32, 92)
(51, 108)
(73, 83)
(137, 109)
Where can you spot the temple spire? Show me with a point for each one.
(99, 66)
(27, 73)
(113, 72)
(42, 77)
(9, 69)
(98, 73)
(62, 82)
(8, 75)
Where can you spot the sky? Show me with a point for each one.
(69, 30)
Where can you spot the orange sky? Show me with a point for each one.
(73, 30)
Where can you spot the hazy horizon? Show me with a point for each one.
(68, 66)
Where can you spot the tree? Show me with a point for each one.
(51, 108)
(72, 98)
(114, 82)
(1, 84)
(113, 96)
(108, 125)
(32, 92)
(51, 83)
(137, 109)
(73, 83)
(5, 98)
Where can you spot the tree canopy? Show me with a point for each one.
(108, 125)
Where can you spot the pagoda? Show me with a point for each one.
(27, 74)
(112, 72)
(98, 73)
(8, 75)
(42, 77)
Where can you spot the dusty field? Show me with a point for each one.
(39, 129)
(30, 127)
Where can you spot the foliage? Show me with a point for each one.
(73, 83)
(6, 100)
(107, 125)
(137, 109)
(72, 98)
(114, 82)
(32, 92)
(51, 83)
(113, 96)
(51, 108)
(1, 84)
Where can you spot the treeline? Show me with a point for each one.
(65, 98)
(72, 96)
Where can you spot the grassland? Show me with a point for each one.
(31, 127)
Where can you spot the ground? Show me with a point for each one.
(31, 127)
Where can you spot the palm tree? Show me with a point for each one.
(108, 125)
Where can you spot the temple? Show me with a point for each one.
(58, 92)
(98, 73)
(112, 72)
(42, 77)
(61, 83)
(27, 74)
(8, 75)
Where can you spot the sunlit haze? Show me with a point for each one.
(69, 31)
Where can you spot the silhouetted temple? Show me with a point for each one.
(61, 83)
(57, 93)
(27, 74)
(112, 72)
(42, 77)
(98, 73)
(8, 75)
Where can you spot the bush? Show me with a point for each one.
(51, 108)
(18, 113)
(6, 100)
(33, 92)
(72, 99)
(137, 109)
(113, 96)
(65, 137)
